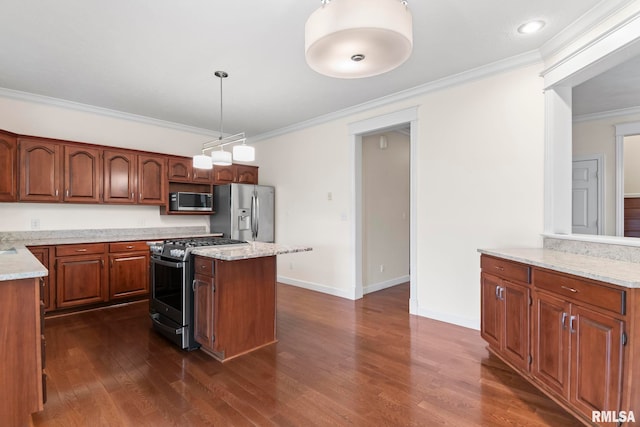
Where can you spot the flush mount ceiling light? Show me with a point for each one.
(218, 156)
(531, 27)
(358, 38)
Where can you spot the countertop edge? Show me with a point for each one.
(252, 250)
(21, 265)
(598, 268)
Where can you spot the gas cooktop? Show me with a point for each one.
(179, 249)
(202, 241)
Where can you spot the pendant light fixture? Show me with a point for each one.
(358, 38)
(218, 155)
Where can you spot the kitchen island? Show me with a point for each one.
(21, 352)
(235, 297)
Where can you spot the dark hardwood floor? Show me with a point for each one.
(337, 362)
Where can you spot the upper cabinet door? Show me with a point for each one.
(152, 180)
(81, 174)
(224, 174)
(179, 169)
(8, 168)
(119, 177)
(202, 176)
(40, 165)
(246, 174)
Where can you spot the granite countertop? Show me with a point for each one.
(620, 273)
(250, 250)
(16, 262)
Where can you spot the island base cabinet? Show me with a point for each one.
(204, 293)
(235, 305)
(21, 376)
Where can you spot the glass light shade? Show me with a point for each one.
(221, 157)
(244, 153)
(358, 38)
(202, 162)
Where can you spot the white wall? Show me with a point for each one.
(386, 203)
(599, 137)
(53, 121)
(480, 184)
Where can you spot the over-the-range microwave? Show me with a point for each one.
(196, 202)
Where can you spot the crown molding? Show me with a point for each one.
(507, 64)
(606, 114)
(63, 103)
(588, 21)
(524, 59)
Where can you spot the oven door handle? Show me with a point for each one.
(155, 317)
(167, 263)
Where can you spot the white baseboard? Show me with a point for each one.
(348, 294)
(449, 318)
(384, 285)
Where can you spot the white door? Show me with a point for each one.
(585, 197)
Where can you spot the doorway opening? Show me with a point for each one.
(371, 225)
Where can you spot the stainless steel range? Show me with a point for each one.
(171, 306)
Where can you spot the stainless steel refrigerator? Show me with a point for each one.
(244, 212)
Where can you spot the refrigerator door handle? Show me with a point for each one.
(253, 215)
(257, 216)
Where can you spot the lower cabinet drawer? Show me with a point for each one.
(82, 249)
(128, 247)
(203, 265)
(581, 290)
(506, 269)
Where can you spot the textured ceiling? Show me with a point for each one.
(156, 58)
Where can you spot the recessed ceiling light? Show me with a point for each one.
(531, 27)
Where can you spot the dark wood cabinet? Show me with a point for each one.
(235, 305)
(81, 276)
(505, 318)
(40, 170)
(581, 356)
(128, 270)
(82, 174)
(119, 177)
(242, 174)
(551, 342)
(21, 370)
(181, 170)
(8, 168)
(44, 254)
(152, 180)
(596, 361)
(246, 174)
(203, 303)
(223, 174)
(578, 354)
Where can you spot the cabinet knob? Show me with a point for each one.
(81, 250)
(129, 247)
(575, 291)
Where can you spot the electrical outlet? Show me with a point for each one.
(329, 196)
(290, 266)
(35, 223)
(381, 268)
